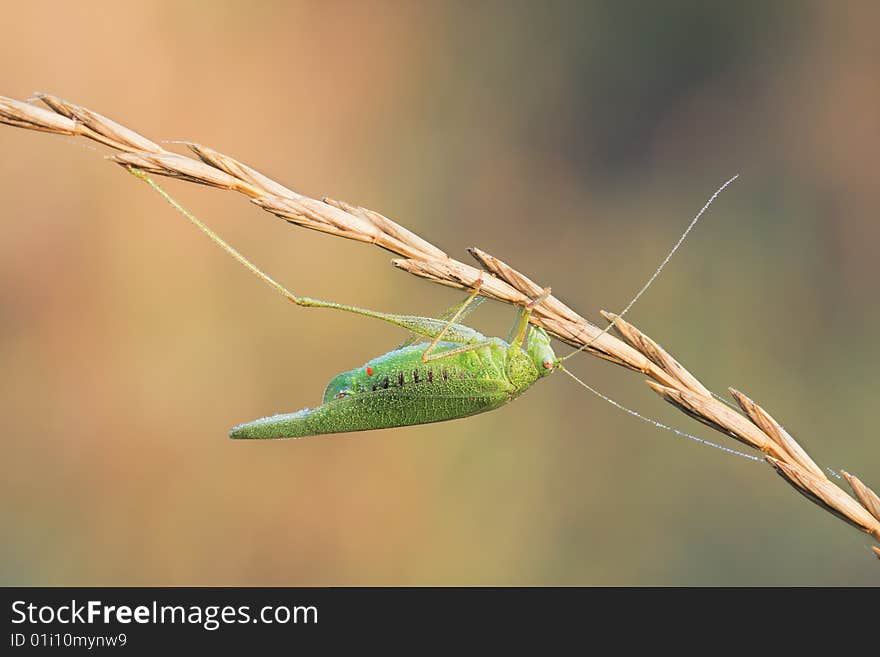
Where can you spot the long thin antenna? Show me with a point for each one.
(659, 269)
(657, 424)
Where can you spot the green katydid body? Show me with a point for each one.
(460, 372)
(401, 389)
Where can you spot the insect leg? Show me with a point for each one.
(424, 326)
(428, 358)
(426, 355)
(518, 332)
(466, 307)
(519, 328)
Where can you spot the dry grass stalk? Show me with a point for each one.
(638, 352)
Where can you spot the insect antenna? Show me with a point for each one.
(656, 423)
(659, 269)
(627, 308)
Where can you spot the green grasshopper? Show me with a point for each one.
(459, 373)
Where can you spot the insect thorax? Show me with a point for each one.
(521, 371)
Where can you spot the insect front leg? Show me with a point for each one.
(538, 345)
(518, 330)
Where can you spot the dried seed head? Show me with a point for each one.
(866, 496)
(656, 354)
(777, 433)
(824, 493)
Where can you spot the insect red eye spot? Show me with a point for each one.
(369, 371)
(548, 364)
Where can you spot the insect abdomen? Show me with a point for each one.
(284, 425)
(369, 412)
(394, 390)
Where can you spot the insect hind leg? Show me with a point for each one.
(423, 326)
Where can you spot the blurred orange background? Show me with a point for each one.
(575, 141)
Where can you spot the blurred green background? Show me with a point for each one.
(573, 140)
